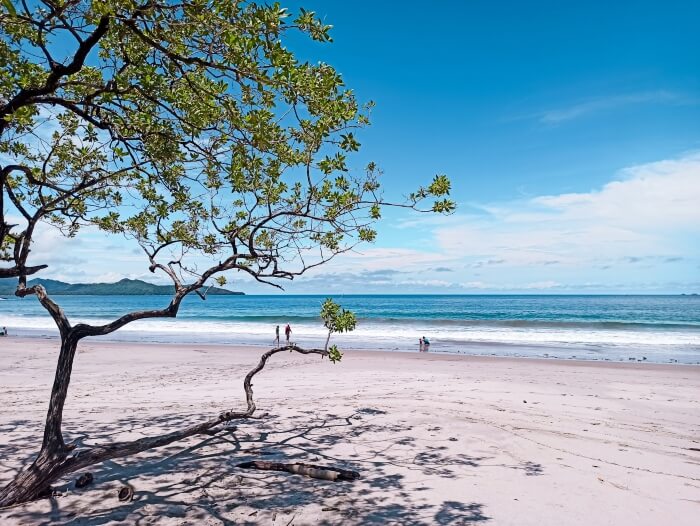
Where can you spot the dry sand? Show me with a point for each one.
(438, 439)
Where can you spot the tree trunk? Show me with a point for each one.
(53, 437)
(49, 465)
(33, 482)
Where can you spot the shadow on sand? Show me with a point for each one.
(199, 481)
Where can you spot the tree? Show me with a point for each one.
(193, 130)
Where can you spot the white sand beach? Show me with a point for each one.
(438, 439)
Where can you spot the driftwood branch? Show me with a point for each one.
(308, 470)
(95, 454)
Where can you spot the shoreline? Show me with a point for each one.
(612, 328)
(427, 356)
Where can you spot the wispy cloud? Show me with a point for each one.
(594, 105)
(385, 272)
(487, 263)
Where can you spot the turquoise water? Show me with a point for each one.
(658, 328)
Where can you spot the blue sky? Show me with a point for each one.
(571, 133)
(517, 98)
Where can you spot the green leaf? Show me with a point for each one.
(334, 354)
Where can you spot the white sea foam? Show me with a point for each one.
(371, 334)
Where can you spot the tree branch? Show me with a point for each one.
(58, 71)
(53, 309)
(17, 271)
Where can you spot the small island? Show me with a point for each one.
(124, 287)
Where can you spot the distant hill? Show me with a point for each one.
(125, 287)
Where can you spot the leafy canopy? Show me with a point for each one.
(190, 127)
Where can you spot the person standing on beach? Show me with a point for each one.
(420, 344)
(426, 344)
(288, 332)
(277, 335)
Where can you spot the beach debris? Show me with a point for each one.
(125, 493)
(84, 479)
(308, 470)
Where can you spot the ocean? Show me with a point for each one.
(659, 329)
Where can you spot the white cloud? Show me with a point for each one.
(535, 285)
(654, 196)
(651, 210)
(639, 232)
(91, 256)
(439, 283)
